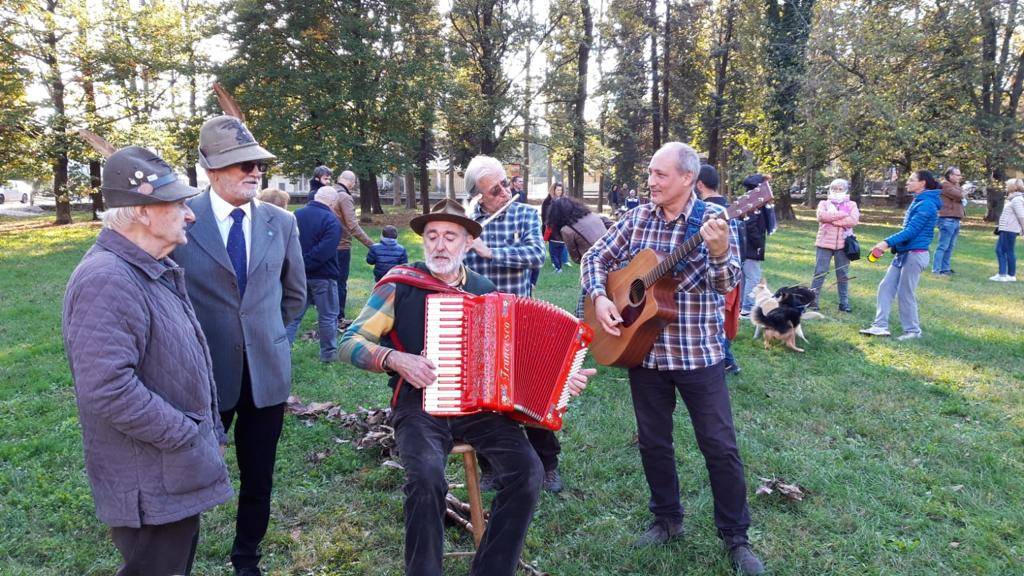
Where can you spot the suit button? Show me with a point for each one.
(238, 346)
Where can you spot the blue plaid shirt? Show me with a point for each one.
(692, 341)
(516, 246)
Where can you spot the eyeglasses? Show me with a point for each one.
(498, 188)
(248, 165)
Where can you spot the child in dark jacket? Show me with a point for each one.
(387, 253)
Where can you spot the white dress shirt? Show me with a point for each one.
(222, 212)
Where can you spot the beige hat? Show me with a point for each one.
(450, 211)
(224, 140)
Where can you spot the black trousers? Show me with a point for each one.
(161, 550)
(706, 396)
(423, 443)
(257, 431)
(344, 259)
(545, 443)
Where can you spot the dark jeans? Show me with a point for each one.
(322, 294)
(949, 229)
(559, 253)
(344, 259)
(707, 400)
(162, 550)
(256, 434)
(424, 442)
(1006, 253)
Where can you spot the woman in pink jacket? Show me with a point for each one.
(836, 218)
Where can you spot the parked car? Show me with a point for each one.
(12, 193)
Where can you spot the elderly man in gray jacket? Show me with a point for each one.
(247, 281)
(143, 377)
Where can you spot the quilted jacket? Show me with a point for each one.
(144, 385)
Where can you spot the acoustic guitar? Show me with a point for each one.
(644, 293)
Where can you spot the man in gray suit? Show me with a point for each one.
(246, 279)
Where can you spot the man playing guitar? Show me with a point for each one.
(687, 354)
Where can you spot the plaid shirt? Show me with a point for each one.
(360, 344)
(516, 246)
(693, 341)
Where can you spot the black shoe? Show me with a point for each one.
(660, 532)
(254, 571)
(732, 368)
(745, 561)
(552, 481)
(487, 483)
(846, 310)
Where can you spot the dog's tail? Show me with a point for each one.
(812, 315)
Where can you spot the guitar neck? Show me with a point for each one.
(689, 245)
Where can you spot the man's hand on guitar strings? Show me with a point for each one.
(578, 382)
(608, 315)
(716, 235)
(416, 370)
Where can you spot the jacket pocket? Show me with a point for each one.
(195, 466)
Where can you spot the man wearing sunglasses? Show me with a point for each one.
(246, 279)
(506, 250)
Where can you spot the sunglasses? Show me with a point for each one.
(248, 165)
(498, 189)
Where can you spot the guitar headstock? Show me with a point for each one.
(751, 201)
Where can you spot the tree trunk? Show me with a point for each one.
(60, 122)
(665, 82)
(451, 178)
(525, 171)
(811, 194)
(724, 50)
(579, 123)
(369, 197)
(424, 187)
(655, 98)
(409, 188)
(94, 184)
(857, 185)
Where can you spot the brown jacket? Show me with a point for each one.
(581, 235)
(144, 385)
(952, 201)
(345, 210)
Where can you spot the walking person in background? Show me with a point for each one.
(757, 227)
(517, 189)
(321, 177)
(707, 188)
(387, 253)
(950, 214)
(556, 248)
(579, 227)
(319, 232)
(345, 210)
(614, 198)
(631, 201)
(836, 218)
(1011, 225)
(911, 247)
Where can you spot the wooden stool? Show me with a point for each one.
(476, 504)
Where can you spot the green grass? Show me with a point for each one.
(912, 452)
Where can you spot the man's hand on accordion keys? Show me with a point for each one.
(414, 369)
(578, 382)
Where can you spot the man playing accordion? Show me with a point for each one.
(388, 336)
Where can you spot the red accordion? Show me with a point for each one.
(503, 353)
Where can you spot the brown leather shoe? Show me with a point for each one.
(660, 532)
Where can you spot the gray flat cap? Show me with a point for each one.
(224, 140)
(134, 176)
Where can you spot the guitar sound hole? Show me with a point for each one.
(636, 292)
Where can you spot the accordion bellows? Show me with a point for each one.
(503, 353)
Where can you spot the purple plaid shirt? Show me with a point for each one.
(694, 339)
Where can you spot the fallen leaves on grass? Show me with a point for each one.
(368, 425)
(792, 492)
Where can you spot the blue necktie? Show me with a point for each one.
(236, 249)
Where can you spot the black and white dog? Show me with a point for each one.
(778, 315)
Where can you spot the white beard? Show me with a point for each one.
(445, 267)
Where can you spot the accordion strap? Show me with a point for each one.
(417, 279)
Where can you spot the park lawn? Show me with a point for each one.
(912, 453)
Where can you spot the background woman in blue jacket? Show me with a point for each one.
(911, 248)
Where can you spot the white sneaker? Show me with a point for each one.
(908, 336)
(1009, 278)
(875, 331)
(996, 278)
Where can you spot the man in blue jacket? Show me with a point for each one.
(911, 248)
(319, 233)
